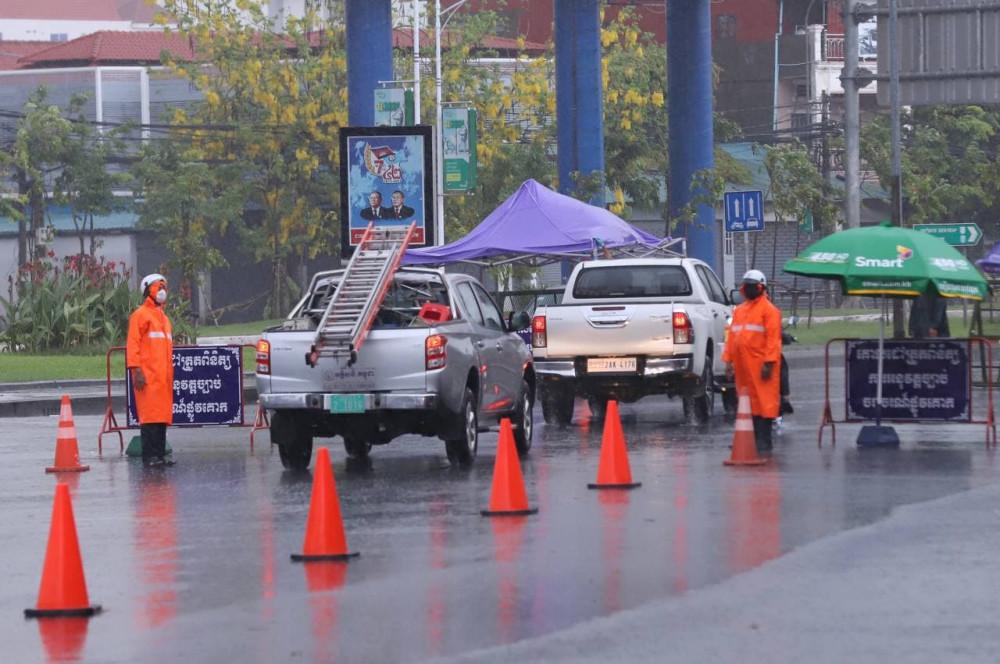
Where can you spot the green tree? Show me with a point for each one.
(275, 95)
(797, 187)
(190, 204)
(85, 183)
(37, 152)
(950, 159)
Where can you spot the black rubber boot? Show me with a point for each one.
(762, 433)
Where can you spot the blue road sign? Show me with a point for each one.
(744, 211)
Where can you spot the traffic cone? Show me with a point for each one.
(325, 538)
(744, 444)
(67, 453)
(63, 591)
(613, 471)
(507, 497)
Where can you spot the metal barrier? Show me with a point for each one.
(988, 419)
(110, 425)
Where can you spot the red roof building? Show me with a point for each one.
(12, 51)
(110, 48)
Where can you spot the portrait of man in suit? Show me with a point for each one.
(375, 211)
(399, 209)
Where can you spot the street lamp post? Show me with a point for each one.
(439, 129)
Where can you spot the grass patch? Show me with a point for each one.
(236, 329)
(21, 368)
(820, 333)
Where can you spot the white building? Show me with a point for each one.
(62, 20)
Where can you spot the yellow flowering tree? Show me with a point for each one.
(274, 97)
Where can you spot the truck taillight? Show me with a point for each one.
(435, 354)
(683, 331)
(263, 357)
(539, 339)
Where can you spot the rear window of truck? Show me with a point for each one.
(626, 281)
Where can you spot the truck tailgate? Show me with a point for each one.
(389, 360)
(609, 329)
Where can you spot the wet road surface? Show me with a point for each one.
(192, 562)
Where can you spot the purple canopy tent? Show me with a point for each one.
(537, 225)
(990, 263)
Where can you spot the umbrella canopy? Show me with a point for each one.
(891, 261)
(536, 220)
(991, 262)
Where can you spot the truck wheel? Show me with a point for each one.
(294, 439)
(462, 451)
(557, 405)
(357, 448)
(524, 420)
(699, 406)
(598, 408)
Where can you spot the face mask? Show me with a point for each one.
(159, 294)
(752, 291)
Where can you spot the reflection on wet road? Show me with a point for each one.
(192, 562)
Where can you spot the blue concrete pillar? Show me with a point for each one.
(579, 96)
(369, 56)
(689, 93)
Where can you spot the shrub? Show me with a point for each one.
(81, 305)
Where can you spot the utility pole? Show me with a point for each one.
(439, 123)
(852, 119)
(897, 166)
(416, 62)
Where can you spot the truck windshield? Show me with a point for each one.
(631, 281)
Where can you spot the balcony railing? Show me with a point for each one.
(833, 47)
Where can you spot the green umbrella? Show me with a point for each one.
(890, 261)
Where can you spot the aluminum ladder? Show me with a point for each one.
(359, 295)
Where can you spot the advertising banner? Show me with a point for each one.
(460, 139)
(386, 177)
(921, 380)
(393, 107)
(208, 387)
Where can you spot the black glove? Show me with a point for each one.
(767, 370)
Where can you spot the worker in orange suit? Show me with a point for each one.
(753, 354)
(150, 359)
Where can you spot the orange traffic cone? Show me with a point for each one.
(744, 444)
(613, 471)
(67, 454)
(325, 538)
(63, 591)
(507, 497)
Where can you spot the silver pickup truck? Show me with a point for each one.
(451, 377)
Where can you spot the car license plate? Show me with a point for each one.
(341, 404)
(611, 364)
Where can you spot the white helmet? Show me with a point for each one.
(149, 280)
(755, 276)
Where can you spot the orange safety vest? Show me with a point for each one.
(150, 347)
(754, 339)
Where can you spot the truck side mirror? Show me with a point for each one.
(735, 296)
(519, 321)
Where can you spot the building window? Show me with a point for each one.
(800, 121)
(58, 37)
(801, 91)
(725, 26)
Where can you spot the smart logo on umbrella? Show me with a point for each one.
(902, 254)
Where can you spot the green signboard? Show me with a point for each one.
(459, 135)
(957, 235)
(393, 107)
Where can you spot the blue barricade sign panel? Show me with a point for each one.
(208, 387)
(921, 380)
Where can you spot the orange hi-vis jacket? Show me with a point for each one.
(150, 347)
(755, 338)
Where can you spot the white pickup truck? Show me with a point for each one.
(629, 328)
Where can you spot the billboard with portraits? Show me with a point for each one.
(386, 177)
